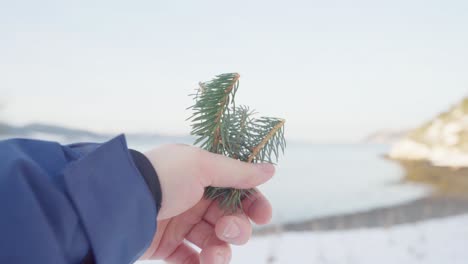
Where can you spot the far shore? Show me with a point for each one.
(449, 198)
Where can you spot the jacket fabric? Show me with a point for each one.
(80, 203)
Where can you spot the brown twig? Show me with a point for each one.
(217, 135)
(262, 144)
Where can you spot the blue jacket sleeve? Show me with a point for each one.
(57, 203)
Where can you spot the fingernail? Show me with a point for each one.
(231, 231)
(266, 167)
(220, 258)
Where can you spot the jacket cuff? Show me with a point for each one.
(114, 203)
(149, 174)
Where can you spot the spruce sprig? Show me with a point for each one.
(222, 127)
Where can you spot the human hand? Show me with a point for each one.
(184, 172)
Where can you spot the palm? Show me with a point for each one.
(203, 225)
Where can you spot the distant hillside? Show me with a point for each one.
(31, 129)
(443, 140)
(385, 136)
(70, 135)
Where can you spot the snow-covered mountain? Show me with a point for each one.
(443, 141)
(385, 136)
(64, 135)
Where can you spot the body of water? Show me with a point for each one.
(316, 180)
(321, 180)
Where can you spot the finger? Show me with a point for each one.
(213, 249)
(179, 227)
(213, 213)
(221, 171)
(213, 216)
(184, 254)
(218, 254)
(234, 229)
(203, 235)
(258, 208)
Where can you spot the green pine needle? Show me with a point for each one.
(222, 127)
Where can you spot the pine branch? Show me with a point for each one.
(237, 139)
(223, 128)
(212, 100)
(272, 137)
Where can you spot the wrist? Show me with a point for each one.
(149, 174)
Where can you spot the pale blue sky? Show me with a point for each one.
(336, 70)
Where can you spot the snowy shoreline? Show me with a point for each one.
(447, 196)
(432, 241)
(431, 207)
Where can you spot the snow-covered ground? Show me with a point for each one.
(443, 141)
(438, 155)
(442, 241)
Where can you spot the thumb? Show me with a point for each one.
(221, 171)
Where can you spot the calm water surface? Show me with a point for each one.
(319, 180)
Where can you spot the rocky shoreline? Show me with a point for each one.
(449, 198)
